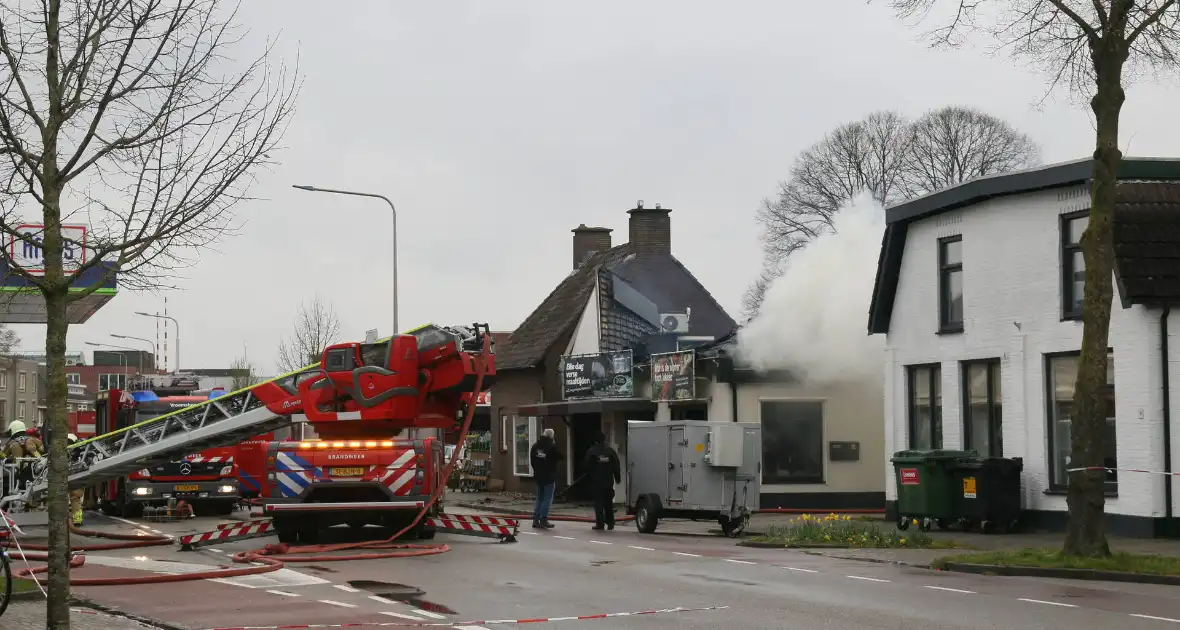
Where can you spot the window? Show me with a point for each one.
(792, 441)
(20, 410)
(925, 408)
(524, 433)
(33, 386)
(74, 378)
(1073, 265)
(3, 380)
(983, 408)
(40, 417)
(950, 284)
(3, 414)
(505, 431)
(1062, 371)
(20, 381)
(112, 381)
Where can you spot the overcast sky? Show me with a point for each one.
(496, 127)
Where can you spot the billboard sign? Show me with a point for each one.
(602, 375)
(26, 252)
(673, 376)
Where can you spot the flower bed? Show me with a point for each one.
(836, 530)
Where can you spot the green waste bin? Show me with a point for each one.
(926, 487)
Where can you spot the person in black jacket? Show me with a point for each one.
(602, 473)
(544, 457)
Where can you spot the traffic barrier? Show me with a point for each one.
(226, 533)
(502, 529)
(1133, 470)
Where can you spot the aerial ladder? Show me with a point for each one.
(221, 421)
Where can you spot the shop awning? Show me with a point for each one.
(593, 405)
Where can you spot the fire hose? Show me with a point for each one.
(270, 558)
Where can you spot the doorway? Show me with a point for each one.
(583, 427)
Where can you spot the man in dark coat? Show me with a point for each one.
(544, 457)
(602, 473)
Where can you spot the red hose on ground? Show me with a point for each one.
(573, 519)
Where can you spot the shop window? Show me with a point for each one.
(792, 441)
(524, 434)
(1062, 372)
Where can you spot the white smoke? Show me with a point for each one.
(814, 319)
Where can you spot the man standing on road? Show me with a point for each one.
(602, 472)
(544, 457)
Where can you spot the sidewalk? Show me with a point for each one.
(26, 615)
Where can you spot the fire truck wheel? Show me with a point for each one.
(287, 536)
(309, 536)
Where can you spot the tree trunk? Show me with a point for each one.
(58, 613)
(1086, 532)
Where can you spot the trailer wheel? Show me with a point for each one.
(645, 516)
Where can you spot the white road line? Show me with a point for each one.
(470, 628)
(600, 542)
(1041, 601)
(426, 613)
(801, 570)
(346, 589)
(530, 533)
(216, 551)
(689, 555)
(378, 598)
(640, 548)
(1155, 618)
(333, 603)
(401, 616)
(867, 579)
(283, 593)
(564, 537)
(950, 590)
(739, 561)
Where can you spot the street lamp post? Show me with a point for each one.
(147, 341)
(392, 211)
(174, 323)
(120, 353)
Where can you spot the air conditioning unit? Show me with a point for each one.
(674, 322)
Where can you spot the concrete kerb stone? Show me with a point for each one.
(83, 602)
(1064, 574)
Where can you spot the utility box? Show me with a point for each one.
(695, 470)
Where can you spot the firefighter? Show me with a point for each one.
(76, 496)
(21, 444)
(603, 472)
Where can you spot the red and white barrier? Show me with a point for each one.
(486, 526)
(226, 533)
(1130, 470)
(482, 622)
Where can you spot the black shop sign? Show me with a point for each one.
(602, 375)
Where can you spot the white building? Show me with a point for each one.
(978, 291)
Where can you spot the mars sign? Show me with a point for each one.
(21, 303)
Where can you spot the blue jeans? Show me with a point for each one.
(544, 501)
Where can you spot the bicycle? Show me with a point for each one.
(5, 570)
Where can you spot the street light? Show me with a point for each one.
(174, 323)
(122, 358)
(147, 341)
(393, 211)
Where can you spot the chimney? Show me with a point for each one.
(588, 240)
(650, 229)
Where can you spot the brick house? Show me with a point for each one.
(979, 291)
(611, 301)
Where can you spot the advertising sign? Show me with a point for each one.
(673, 376)
(26, 253)
(909, 477)
(603, 375)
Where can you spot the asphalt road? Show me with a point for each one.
(572, 571)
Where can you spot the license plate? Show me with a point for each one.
(187, 488)
(346, 472)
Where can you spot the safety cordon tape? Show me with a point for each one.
(1131, 470)
(483, 622)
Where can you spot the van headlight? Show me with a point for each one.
(225, 489)
(141, 492)
(227, 470)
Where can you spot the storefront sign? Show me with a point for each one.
(673, 376)
(604, 375)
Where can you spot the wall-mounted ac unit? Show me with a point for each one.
(674, 322)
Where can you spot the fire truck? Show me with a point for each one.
(364, 469)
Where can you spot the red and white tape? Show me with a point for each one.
(484, 622)
(1133, 470)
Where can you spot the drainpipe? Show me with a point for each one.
(733, 398)
(1167, 391)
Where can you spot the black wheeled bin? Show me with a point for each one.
(989, 492)
(926, 488)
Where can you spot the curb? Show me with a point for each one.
(769, 545)
(1065, 574)
(899, 563)
(83, 602)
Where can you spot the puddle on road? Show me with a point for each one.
(404, 593)
(317, 568)
(711, 578)
(598, 563)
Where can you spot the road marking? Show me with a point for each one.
(564, 537)
(801, 570)
(470, 628)
(216, 551)
(867, 579)
(1155, 618)
(950, 590)
(283, 593)
(640, 548)
(531, 533)
(738, 561)
(1041, 601)
(426, 613)
(334, 603)
(600, 542)
(401, 616)
(378, 598)
(346, 589)
(689, 555)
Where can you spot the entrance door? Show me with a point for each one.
(676, 472)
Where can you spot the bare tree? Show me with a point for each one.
(951, 145)
(126, 115)
(756, 294)
(316, 327)
(9, 340)
(1090, 47)
(243, 372)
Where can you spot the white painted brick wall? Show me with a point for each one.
(1012, 297)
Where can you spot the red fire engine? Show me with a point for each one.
(362, 470)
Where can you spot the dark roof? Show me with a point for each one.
(659, 277)
(1147, 243)
(898, 217)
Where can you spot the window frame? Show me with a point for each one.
(119, 377)
(20, 410)
(944, 271)
(935, 377)
(823, 460)
(1057, 486)
(1066, 251)
(73, 378)
(22, 381)
(994, 377)
(532, 424)
(3, 380)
